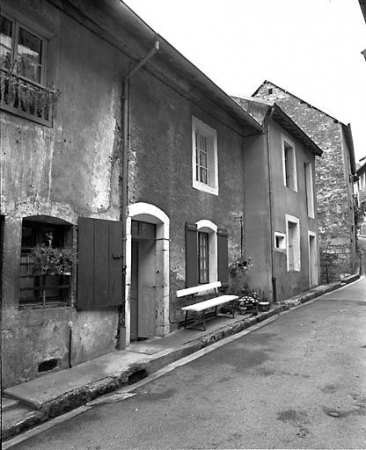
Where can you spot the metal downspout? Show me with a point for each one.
(270, 196)
(125, 174)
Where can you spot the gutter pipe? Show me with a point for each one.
(125, 174)
(270, 196)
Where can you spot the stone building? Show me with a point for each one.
(360, 189)
(115, 146)
(335, 172)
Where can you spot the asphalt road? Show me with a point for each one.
(298, 382)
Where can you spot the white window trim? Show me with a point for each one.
(209, 227)
(208, 131)
(286, 140)
(297, 250)
(281, 235)
(310, 190)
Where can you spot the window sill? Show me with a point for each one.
(205, 188)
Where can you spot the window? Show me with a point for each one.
(206, 253)
(293, 243)
(37, 288)
(289, 164)
(309, 187)
(22, 72)
(280, 241)
(21, 50)
(203, 258)
(204, 157)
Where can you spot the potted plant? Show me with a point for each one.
(240, 265)
(48, 260)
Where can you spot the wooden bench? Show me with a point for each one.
(206, 304)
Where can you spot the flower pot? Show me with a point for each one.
(263, 306)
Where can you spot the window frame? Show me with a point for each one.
(288, 144)
(210, 135)
(17, 25)
(203, 257)
(283, 245)
(43, 282)
(293, 244)
(309, 190)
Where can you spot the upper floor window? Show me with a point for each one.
(289, 164)
(309, 187)
(22, 73)
(204, 157)
(21, 50)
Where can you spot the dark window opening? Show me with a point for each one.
(37, 288)
(203, 258)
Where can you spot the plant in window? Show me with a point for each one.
(48, 260)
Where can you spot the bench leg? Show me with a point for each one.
(185, 321)
(203, 319)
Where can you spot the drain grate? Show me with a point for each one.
(47, 365)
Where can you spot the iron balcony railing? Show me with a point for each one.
(27, 99)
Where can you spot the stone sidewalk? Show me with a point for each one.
(30, 404)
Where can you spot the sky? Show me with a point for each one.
(311, 48)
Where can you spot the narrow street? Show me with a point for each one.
(298, 382)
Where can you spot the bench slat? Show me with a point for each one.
(197, 289)
(210, 303)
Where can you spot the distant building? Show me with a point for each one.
(335, 172)
(360, 188)
(281, 214)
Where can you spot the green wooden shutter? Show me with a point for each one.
(99, 263)
(222, 257)
(191, 255)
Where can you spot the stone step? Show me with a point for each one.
(17, 419)
(8, 403)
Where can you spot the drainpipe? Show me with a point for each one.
(124, 188)
(270, 196)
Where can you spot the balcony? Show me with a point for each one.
(26, 99)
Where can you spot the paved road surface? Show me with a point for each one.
(298, 382)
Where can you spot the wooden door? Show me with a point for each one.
(134, 291)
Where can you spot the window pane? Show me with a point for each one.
(29, 46)
(203, 257)
(6, 30)
(29, 55)
(6, 33)
(5, 57)
(29, 69)
(203, 159)
(203, 143)
(203, 177)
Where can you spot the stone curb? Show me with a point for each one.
(79, 397)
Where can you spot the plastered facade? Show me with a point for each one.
(334, 182)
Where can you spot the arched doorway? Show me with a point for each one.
(147, 273)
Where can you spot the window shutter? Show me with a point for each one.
(191, 255)
(222, 257)
(100, 263)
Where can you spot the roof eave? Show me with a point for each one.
(294, 130)
(111, 15)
